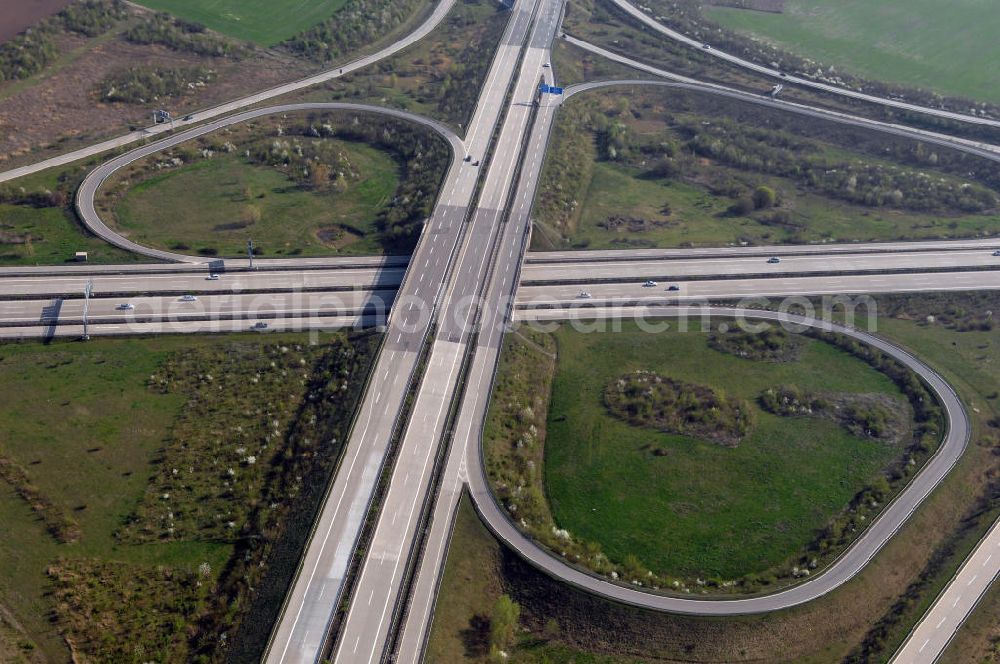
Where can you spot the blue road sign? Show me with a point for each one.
(555, 91)
(544, 87)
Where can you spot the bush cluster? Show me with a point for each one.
(139, 85)
(646, 399)
(180, 35)
(117, 612)
(358, 23)
(771, 345)
(863, 415)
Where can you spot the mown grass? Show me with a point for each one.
(93, 436)
(945, 47)
(263, 22)
(725, 512)
(203, 205)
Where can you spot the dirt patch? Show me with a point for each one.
(632, 224)
(338, 236)
(18, 16)
(65, 105)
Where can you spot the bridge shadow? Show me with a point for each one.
(50, 319)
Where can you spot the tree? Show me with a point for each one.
(503, 624)
(743, 206)
(764, 197)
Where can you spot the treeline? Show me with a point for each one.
(180, 35)
(138, 85)
(30, 52)
(360, 22)
(35, 198)
(799, 149)
(860, 182)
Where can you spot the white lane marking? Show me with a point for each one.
(987, 559)
(974, 577)
(924, 646)
(941, 622)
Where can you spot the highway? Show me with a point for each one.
(932, 635)
(569, 296)
(300, 635)
(432, 21)
(786, 77)
(122, 285)
(165, 309)
(496, 310)
(366, 632)
(622, 270)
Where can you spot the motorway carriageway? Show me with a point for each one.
(554, 267)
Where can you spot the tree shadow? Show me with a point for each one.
(476, 637)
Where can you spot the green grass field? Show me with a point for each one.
(55, 238)
(202, 205)
(948, 47)
(82, 422)
(698, 217)
(701, 509)
(263, 22)
(827, 630)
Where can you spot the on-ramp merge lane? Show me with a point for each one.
(840, 571)
(88, 189)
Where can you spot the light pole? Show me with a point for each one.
(87, 290)
(250, 252)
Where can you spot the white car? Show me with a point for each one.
(188, 298)
(997, 252)
(546, 65)
(773, 259)
(649, 284)
(585, 295)
(260, 325)
(212, 277)
(125, 306)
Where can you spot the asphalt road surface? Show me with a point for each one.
(930, 638)
(366, 631)
(301, 632)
